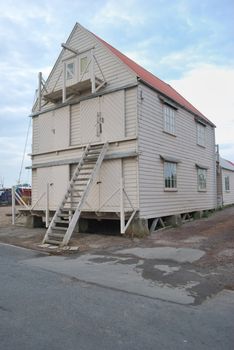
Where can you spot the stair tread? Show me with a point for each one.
(56, 235)
(59, 228)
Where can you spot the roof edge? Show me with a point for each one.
(207, 121)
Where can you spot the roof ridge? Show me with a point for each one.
(152, 80)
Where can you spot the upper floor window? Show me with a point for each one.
(70, 70)
(227, 183)
(83, 64)
(170, 175)
(169, 119)
(201, 179)
(201, 134)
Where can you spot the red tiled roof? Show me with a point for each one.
(153, 81)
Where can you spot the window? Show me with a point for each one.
(170, 175)
(201, 175)
(83, 64)
(227, 183)
(169, 119)
(201, 134)
(70, 70)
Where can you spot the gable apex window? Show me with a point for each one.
(169, 119)
(201, 134)
(70, 70)
(83, 64)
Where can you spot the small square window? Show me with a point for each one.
(169, 119)
(202, 176)
(170, 175)
(201, 130)
(70, 70)
(227, 183)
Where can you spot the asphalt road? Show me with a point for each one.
(45, 309)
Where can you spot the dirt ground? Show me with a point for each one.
(214, 235)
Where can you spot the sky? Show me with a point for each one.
(187, 43)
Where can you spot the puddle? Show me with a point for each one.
(167, 269)
(180, 255)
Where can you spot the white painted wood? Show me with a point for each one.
(34, 186)
(154, 201)
(228, 196)
(35, 135)
(58, 178)
(131, 112)
(109, 178)
(115, 72)
(53, 130)
(75, 127)
(112, 111)
(130, 182)
(122, 213)
(13, 204)
(88, 120)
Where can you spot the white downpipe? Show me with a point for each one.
(122, 216)
(47, 205)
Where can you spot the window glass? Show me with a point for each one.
(227, 183)
(83, 64)
(202, 175)
(201, 134)
(70, 70)
(170, 175)
(169, 119)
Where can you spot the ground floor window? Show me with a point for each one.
(227, 183)
(202, 177)
(170, 175)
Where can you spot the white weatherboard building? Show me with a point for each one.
(225, 182)
(134, 149)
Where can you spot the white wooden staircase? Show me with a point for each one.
(67, 215)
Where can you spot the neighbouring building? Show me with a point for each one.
(133, 148)
(225, 181)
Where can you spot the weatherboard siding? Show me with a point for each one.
(75, 131)
(129, 170)
(131, 112)
(115, 72)
(35, 135)
(228, 196)
(153, 142)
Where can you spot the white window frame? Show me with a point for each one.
(169, 119)
(201, 134)
(70, 73)
(227, 183)
(170, 176)
(85, 75)
(202, 179)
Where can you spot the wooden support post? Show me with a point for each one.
(13, 204)
(64, 82)
(92, 74)
(47, 216)
(39, 90)
(122, 216)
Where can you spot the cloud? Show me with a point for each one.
(21, 14)
(210, 89)
(119, 13)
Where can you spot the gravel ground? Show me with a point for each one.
(214, 235)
